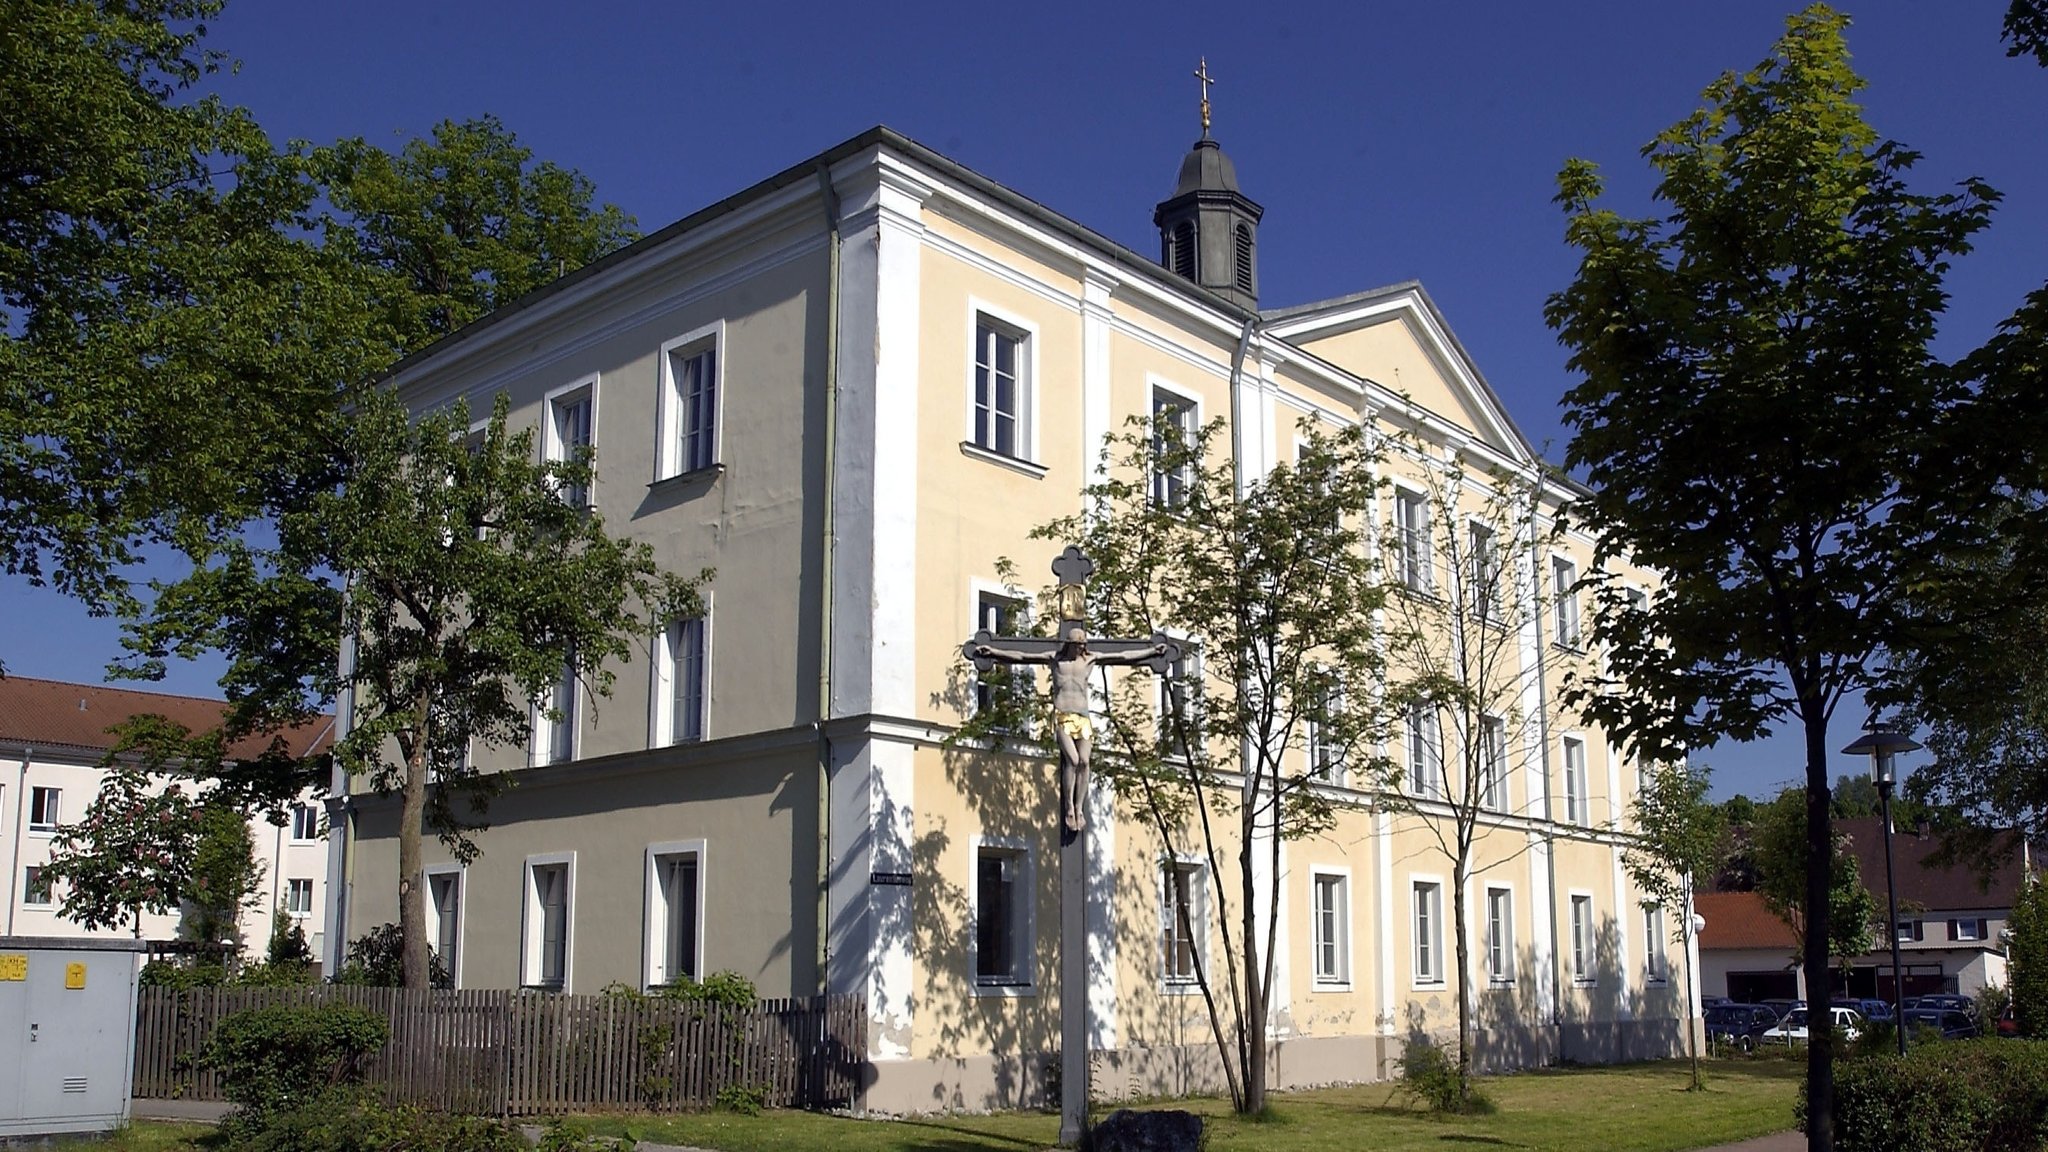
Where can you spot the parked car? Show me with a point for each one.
(1739, 1025)
(1782, 1006)
(1871, 1009)
(2008, 1024)
(1942, 1001)
(1715, 1001)
(1952, 1025)
(1794, 1026)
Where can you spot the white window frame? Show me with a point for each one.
(1198, 922)
(1325, 759)
(1335, 977)
(1025, 332)
(554, 448)
(1978, 927)
(661, 705)
(540, 736)
(53, 810)
(1496, 786)
(305, 884)
(1909, 931)
(656, 911)
(1584, 940)
(1656, 964)
(29, 897)
(434, 941)
(531, 927)
(1566, 623)
(1501, 974)
(1577, 808)
(979, 590)
(1422, 728)
(1414, 566)
(313, 811)
(1487, 610)
(1024, 915)
(1191, 423)
(1191, 661)
(1435, 977)
(668, 419)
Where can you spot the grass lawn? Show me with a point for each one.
(1638, 1108)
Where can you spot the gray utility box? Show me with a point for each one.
(67, 1034)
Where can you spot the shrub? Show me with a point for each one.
(1960, 1096)
(1429, 1076)
(274, 1059)
(376, 959)
(354, 1120)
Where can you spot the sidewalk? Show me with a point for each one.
(1792, 1141)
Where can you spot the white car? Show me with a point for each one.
(1793, 1026)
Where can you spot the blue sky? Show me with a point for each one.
(1387, 142)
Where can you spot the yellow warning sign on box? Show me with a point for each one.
(74, 976)
(13, 966)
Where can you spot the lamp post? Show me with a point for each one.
(1882, 744)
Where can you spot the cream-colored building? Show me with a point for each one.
(850, 389)
(54, 739)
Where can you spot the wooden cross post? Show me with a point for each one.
(1073, 656)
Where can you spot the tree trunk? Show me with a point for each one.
(1820, 849)
(1692, 1036)
(1463, 975)
(412, 896)
(1254, 1046)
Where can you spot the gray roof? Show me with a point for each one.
(1205, 169)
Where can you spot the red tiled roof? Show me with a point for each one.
(58, 714)
(1931, 889)
(1740, 920)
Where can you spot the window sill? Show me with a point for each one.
(1330, 986)
(1015, 463)
(1500, 981)
(1179, 988)
(1584, 982)
(1573, 649)
(1004, 991)
(1428, 986)
(686, 479)
(45, 831)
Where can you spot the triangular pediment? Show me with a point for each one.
(1395, 338)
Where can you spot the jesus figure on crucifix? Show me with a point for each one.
(1071, 663)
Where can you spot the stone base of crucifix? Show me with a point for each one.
(1073, 986)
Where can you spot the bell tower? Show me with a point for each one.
(1208, 230)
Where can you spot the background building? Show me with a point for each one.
(851, 389)
(54, 737)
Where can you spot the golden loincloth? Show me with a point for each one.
(1075, 724)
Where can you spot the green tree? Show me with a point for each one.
(225, 881)
(1458, 667)
(2029, 979)
(1756, 376)
(2026, 27)
(1785, 866)
(1275, 583)
(472, 590)
(1678, 838)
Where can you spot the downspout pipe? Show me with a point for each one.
(1543, 764)
(14, 865)
(830, 196)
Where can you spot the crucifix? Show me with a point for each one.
(1073, 657)
(1202, 74)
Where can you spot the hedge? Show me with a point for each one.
(1948, 1096)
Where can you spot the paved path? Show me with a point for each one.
(1793, 1141)
(202, 1111)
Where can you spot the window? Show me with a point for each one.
(1173, 432)
(1325, 749)
(1493, 763)
(1653, 944)
(1411, 539)
(1332, 926)
(545, 959)
(298, 897)
(1482, 558)
(43, 806)
(681, 683)
(1564, 601)
(1244, 257)
(34, 893)
(1425, 753)
(1575, 806)
(1180, 701)
(1002, 917)
(1582, 939)
(1183, 912)
(689, 403)
(1001, 381)
(444, 919)
(1180, 250)
(571, 424)
(999, 616)
(1429, 933)
(1909, 931)
(675, 912)
(305, 823)
(554, 720)
(1966, 929)
(1500, 935)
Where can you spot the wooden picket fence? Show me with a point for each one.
(513, 1053)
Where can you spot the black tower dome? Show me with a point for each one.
(1208, 230)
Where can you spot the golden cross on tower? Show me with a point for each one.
(1202, 74)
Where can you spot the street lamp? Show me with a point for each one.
(1882, 744)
